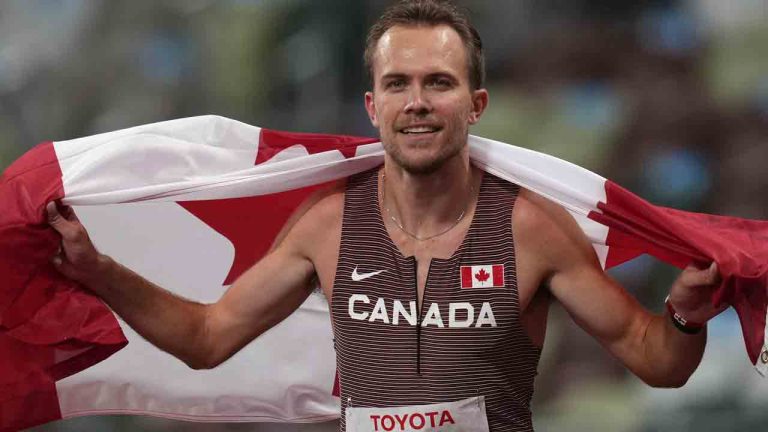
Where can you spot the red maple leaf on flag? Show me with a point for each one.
(226, 215)
(482, 276)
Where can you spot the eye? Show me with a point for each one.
(441, 83)
(395, 84)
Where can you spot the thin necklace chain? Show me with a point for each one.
(410, 234)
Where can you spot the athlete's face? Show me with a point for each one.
(422, 102)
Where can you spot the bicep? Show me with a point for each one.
(597, 303)
(262, 297)
(278, 284)
(605, 310)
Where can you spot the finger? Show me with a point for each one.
(55, 219)
(68, 212)
(61, 264)
(70, 230)
(692, 276)
(714, 272)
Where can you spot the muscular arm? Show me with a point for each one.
(648, 344)
(205, 335)
(201, 335)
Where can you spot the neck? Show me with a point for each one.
(425, 205)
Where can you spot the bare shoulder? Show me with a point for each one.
(317, 220)
(547, 230)
(326, 207)
(537, 217)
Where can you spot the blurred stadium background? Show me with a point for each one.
(668, 98)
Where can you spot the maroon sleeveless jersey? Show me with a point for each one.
(465, 341)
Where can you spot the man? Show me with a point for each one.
(439, 276)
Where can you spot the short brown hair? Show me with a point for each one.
(430, 13)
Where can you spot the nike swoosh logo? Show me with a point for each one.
(357, 277)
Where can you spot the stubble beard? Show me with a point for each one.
(426, 167)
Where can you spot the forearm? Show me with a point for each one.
(671, 356)
(172, 323)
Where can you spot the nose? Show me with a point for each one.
(418, 102)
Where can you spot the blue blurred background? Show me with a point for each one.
(668, 98)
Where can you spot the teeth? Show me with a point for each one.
(419, 129)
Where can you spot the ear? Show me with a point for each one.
(479, 104)
(370, 106)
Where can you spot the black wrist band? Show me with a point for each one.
(681, 323)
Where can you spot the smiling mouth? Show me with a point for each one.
(419, 130)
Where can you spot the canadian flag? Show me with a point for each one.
(482, 276)
(210, 194)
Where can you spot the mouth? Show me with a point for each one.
(420, 130)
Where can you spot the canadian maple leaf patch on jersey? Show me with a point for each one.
(482, 276)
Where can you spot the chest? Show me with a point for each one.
(425, 251)
(424, 270)
(371, 243)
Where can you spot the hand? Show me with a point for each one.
(78, 258)
(691, 294)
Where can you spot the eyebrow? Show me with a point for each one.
(396, 75)
(446, 75)
(391, 76)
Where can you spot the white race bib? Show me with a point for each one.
(466, 415)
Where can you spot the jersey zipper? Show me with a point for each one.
(421, 309)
